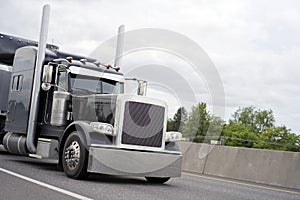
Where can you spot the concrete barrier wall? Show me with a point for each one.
(278, 168)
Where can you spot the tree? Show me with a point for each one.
(245, 116)
(198, 123)
(257, 120)
(279, 138)
(251, 127)
(248, 127)
(263, 119)
(178, 121)
(216, 125)
(239, 135)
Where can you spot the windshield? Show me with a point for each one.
(80, 84)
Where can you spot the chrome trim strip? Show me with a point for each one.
(9, 134)
(149, 151)
(6, 68)
(18, 145)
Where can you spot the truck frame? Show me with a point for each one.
(72, 108)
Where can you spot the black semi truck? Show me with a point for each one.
(72, 108)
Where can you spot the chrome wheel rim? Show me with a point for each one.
(72, 155)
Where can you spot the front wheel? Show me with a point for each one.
(160, 180)
(75, 157)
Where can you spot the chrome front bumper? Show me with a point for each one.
(134, 163)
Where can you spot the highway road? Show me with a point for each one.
(28, 178)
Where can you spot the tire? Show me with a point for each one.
(75, 157)
(157, 180)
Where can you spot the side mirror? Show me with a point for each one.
(47, 77)
(142, 88)
(47, 74)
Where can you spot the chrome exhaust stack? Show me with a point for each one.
(120, 45)
(32, 122)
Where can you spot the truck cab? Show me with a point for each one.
(85, 120)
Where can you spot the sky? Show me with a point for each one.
(254, 44)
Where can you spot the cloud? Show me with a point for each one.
(255, 44)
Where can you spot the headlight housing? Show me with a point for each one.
(103, 128)
(173, 136)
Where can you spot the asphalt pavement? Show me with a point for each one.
(29, 178)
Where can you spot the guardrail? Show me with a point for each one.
(279, 168)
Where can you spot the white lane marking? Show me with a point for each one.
(51, 187)
(241, 183)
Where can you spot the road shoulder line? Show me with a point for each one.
(51, 187)
(241, 183)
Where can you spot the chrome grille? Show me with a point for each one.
(143, 124)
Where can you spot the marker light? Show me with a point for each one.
(97, 63)
(70, 58)
(117, 68)
(83, 60)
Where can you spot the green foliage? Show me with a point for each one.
(198, 123)
(239, 135)
(257, 120)
(201, 126)
(216, 125)
(255, 128)
(248, 127)
(279, 138)
(178, 121)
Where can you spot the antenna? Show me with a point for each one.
(120, 45)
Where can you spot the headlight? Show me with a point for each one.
(103, 128)
(173, 136)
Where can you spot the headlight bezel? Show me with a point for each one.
(173, 136)
(104, 128)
